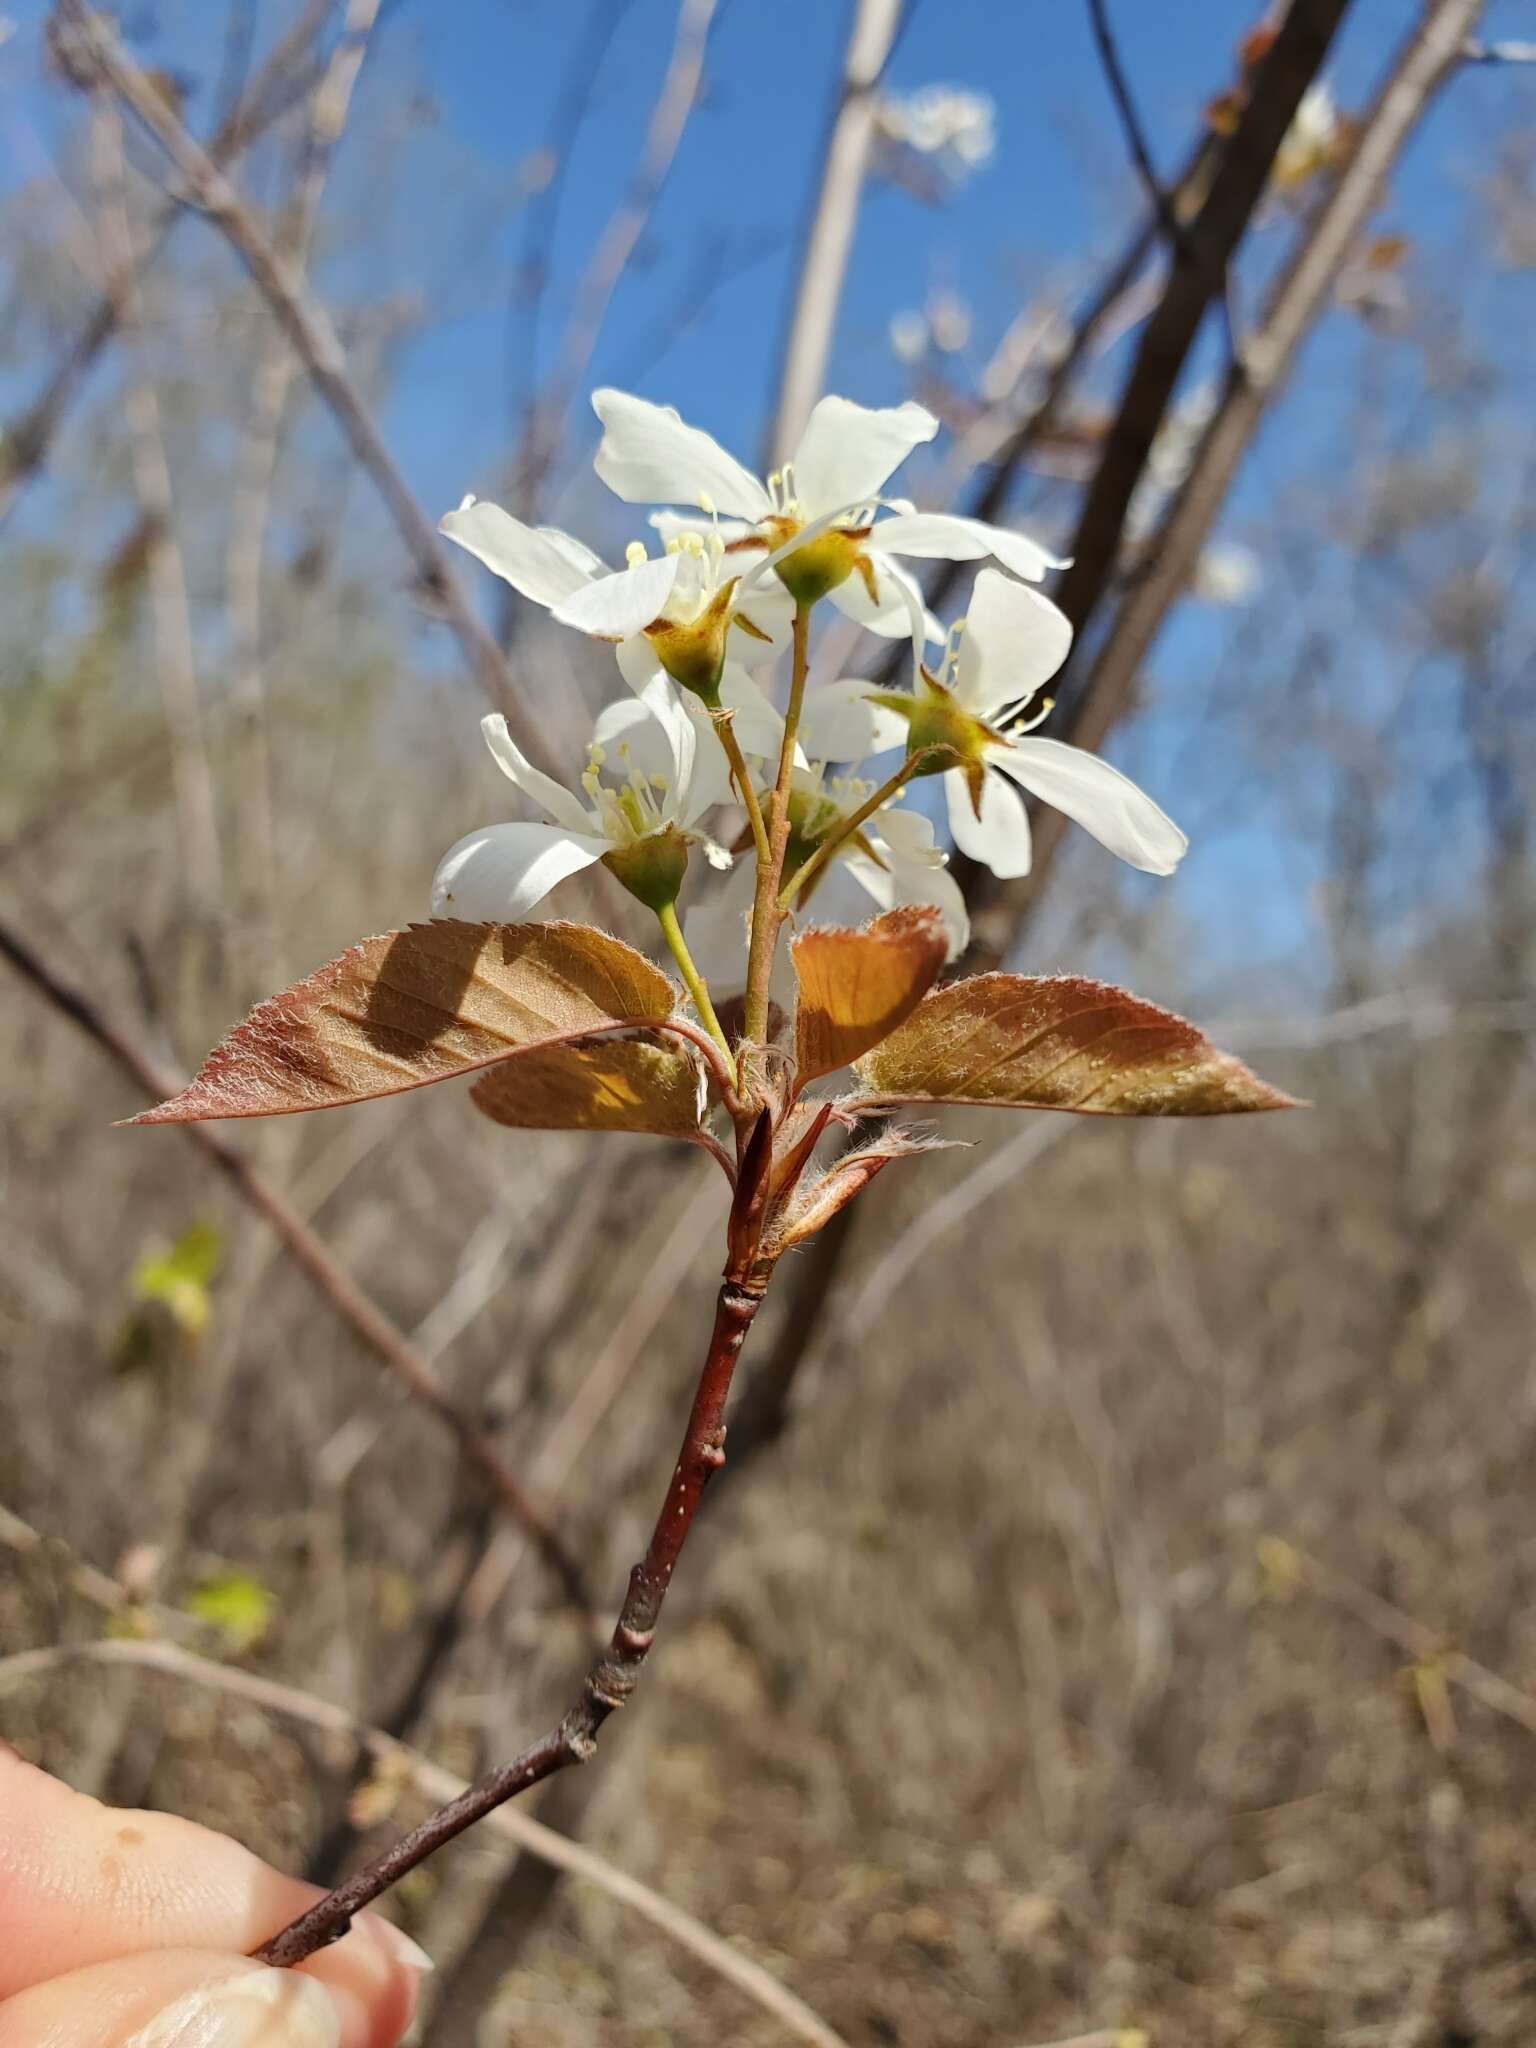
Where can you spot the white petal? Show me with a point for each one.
(575, 551)
(552, 797)
(500, 873)
(614, 607)
(670, 525)
(909, 836)
(662, 700)
(847, 452)
(542, 564)
(715, 928)
(1101, 799)
(944, 536)
(838, 722)
(631, 723)
(906, 882)
(1000, 838)
(1014, 642)
(638, 662)
(772, 610)
(892, 615)
(649, 456)
(710, 783)
(759, 727)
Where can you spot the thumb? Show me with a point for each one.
(184, 1998)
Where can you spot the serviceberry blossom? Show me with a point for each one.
(815, 523)
(973, 717)
(646, 785)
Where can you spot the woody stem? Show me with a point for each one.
(608, 1683)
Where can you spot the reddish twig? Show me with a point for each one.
(93, 51)
(613, 1675)
(309, 1251)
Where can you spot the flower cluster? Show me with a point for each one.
(699, 619)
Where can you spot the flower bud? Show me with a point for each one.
(651, 868)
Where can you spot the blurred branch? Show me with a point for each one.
(675, 103)
(614, 1673)
(281, 79)
(1240, 168)
(91, 50)
(604, 1380)
(1421, 1643)
(531, 272)
(1475, 52)
(1130, 121)
(434, 1782)
(255, 463)
(349, 1301)
(829, 232)
(175, 660)
(1425, 61)
(1200, 262)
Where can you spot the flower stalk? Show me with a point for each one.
(694, 982)
(831, 845)
(766, 914)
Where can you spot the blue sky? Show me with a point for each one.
(1056, 195)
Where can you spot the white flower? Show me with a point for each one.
(831, 488)
(676, 589)
(662, 785)
(1311, 140)
(999, 659)
(942, 119)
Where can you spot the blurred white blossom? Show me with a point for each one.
(949, 321)
(909, 337)
(946, 124)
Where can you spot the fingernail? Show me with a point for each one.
(260, 2009)
(402, 1948)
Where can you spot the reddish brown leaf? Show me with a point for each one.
(856, 987)
(607, 1084)
(417, 1006)
(1016, 1041)
(811, 1208)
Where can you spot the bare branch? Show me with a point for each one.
(95, 50)
(1417, 1640)
(164, 567)
(436, 1783)
(255, 462)
(609, 260)
(834, 210)
(283, 76)
(1130, 121)
(310, 1252)
(1427, 59)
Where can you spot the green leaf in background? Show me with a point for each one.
(181, 1278)
(235, 1603)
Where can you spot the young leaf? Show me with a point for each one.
(856, 987)
(417, 1006)
(1022, 1042)
(811, 1208)
(610, 1084)
(236, 1603)
(181, 1277)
